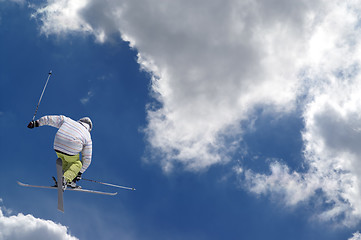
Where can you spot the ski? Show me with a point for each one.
(70, 189)
(59, 173)
(109, 184)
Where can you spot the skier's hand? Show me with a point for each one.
(33, 124)
(78, 177)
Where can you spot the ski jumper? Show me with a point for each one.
(71, 139)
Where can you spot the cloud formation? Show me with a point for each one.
(332, 124)
(86, 99)
(356, 236)
(18, 227)
(214, 62)
(211, 62)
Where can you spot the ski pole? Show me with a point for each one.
(108, 184)
(41, 96)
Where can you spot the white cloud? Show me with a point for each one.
(292, 186)
(356, 236)
(63, 16)
(332, 122)
(213, 62)
(86, 99)
(18, 227)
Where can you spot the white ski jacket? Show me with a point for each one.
(71, 138)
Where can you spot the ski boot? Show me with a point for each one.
(65, 183)
(73, 184)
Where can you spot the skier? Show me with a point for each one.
(72, 138)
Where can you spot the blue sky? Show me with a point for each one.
(233, 120)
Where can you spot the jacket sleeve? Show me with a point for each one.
(54, 121)
(86, 156)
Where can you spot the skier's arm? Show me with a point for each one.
(54, 121)
(86, 156)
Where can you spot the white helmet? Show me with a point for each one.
(87, 121)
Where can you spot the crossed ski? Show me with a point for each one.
(59, 186)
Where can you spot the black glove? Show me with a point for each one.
(33, 124)
(78, 177)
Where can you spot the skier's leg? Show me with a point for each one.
(73, 170)
(65, 164)
(71, 166)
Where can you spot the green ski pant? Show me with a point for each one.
(71, 165)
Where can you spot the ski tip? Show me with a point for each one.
(20, 183)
